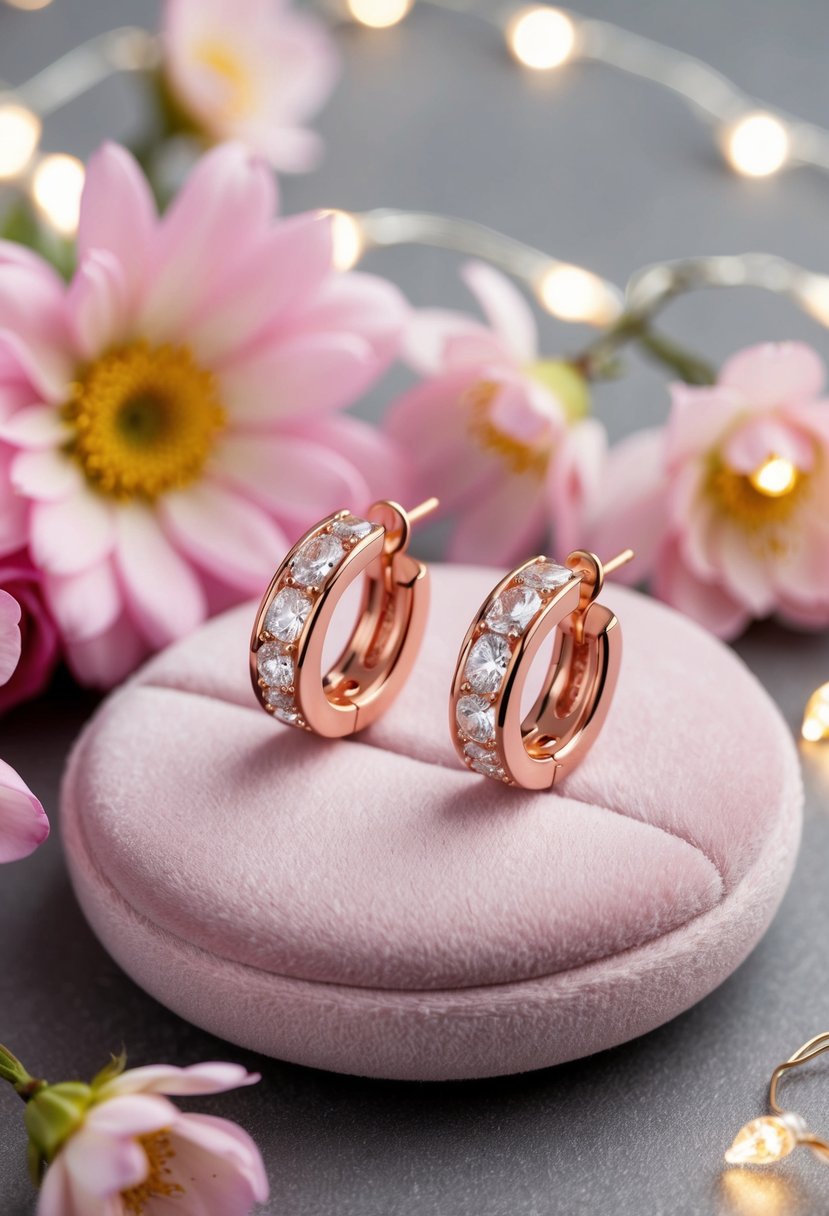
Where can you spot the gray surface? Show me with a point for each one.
(598, 169)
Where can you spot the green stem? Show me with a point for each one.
(597, 360)
(12, 1070)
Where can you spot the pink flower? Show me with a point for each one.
(728, 507)
(23, 823)
(38, 635)
(134, 1151)
(167, 420)
(495, 431)
(252, 70)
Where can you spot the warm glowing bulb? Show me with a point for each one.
(19, 136)
(573, 294)
(28, 5)
(541, 38)
(347, 239)
(815, 726)
(815, 297)
(757, 145)
(761, 1142)
(775, 477)
(379, 14)
(56, 188)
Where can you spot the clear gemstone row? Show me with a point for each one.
(305, 576)
(507, 617)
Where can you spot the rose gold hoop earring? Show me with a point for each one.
(289, 631)
(496, 657)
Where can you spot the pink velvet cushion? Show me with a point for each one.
(369, 906)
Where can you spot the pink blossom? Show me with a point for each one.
(172, 417)
(23, 823)
(253, 70)
(728, 506)
(134, 1151)
(495, 431)
(39, 644)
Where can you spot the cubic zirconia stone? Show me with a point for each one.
(487, 663)
(316, 559)
(546, 576)
(350, 527)
(476, 718)
(287, 614)
(482, 761)
(283, 706)
(513, 610)
(275, 668)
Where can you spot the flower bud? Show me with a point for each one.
(53, 1114)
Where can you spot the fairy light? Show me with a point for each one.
(347, 239)
(20, 130)
(541, 38)
(572, 293)
(757, 145)
(775, 477)
(815, 727)
(28, 6)
(57, 184)
(379, 14)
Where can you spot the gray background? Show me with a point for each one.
(600, 169)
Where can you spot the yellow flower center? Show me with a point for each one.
(159, 1181)
(761, 502)
(145, 419)
(238, 94)
(566, 384)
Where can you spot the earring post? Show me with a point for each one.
(621, 559)
(423, 509)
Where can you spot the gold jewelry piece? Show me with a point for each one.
(774, 1136)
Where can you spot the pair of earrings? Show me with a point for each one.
(490, 734)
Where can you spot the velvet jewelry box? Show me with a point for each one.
(368, 906)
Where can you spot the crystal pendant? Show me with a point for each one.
(761, 1141)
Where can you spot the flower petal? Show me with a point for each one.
(506, 309)
(107, 658)
(48, 476)
(381, 462)
(73, 534)
(211, 1077)
(85, 604)
(130, 1114)
(362, 304)
(220, 213)
(9, 635)
(118, 215)
(706, 602)
(774, 373)
(280, 274)
(303, 375)
(575, 482)
(97, 303)
(103, 1165)
(700, 419)
(35, 426)
(23, 822)
(747, 448)
(33, 330)
(631, 512)
(744, 574)
(230, 538)
(55, 1194)
(223, 1162)
(506, 522)
(299, 480)
(163, 594)
(430, 332)
(14, 510)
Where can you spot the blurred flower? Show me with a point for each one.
(497, 433)
(728, 506)
(118, 1147)
(38, 636)
(252, 70)
(165, 420)
(23, 823)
